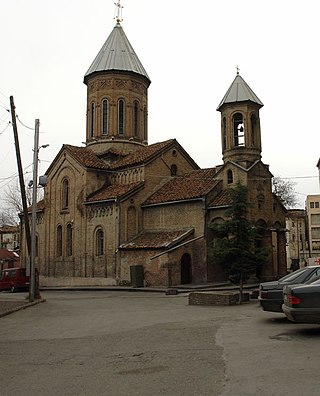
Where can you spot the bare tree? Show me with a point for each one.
(12, 198)
(8, 218)
(284, 189)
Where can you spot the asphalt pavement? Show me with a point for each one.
(142, 344)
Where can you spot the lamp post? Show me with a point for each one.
(34, 211)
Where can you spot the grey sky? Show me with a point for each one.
(191, 48)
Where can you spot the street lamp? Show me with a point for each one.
(34, 210)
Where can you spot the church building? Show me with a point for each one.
(119, 211)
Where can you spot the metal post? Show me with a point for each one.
(34, 212)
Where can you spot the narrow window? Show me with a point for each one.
(59, 241)
(315, 233)
(145, 122)
(224, 131)
(315, 219)
(121, 117)
(230, 176)
(100, 243)
(65, 194)
(69, 240)
(135, 118)
(253, 129)
(312, 205)
(238, 130)
(174, 170)
(92, 119)
(105, 116)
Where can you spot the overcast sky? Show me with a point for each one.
(190, 50)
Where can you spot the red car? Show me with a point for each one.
(14, 279)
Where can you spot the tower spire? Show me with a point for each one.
(118, 12)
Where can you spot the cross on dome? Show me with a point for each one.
(118, 12)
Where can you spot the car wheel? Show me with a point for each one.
(12, 289)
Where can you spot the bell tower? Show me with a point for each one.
(240, 124)
(117, 96)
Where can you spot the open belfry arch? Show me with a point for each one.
(118, 208)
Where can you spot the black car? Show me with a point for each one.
(271, 293)
(302, 303)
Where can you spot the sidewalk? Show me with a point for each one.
(9, 306)
(17, 302)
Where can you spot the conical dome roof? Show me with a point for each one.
(239, 91)
(116, 54)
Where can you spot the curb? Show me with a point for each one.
(20, 307)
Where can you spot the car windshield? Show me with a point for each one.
(294, 275)
(315, 282)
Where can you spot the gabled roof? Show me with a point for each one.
(147, 153)
(86, 157)
(157, 239)
(8, 255)
(83, 155)
(239, 91)
(116, 54)
(112, 192)
(191, 186)
(222, 199)
(239, 166)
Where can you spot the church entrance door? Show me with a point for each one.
(186, 269)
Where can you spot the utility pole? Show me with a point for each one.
(21, 180)
(34, 212)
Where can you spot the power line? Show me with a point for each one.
(5, 128)
(23, 123)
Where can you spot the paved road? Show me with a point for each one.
(122, 343)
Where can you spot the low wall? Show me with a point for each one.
(216, 298)
(46, 281)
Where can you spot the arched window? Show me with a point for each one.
(121, 116)
(238, 130)
(65, 194)
(105, 116)
(230, 176)
(131, 222)
(135, 118)
(145, 123)
(174, 169)
(253, 129)
(100, 242)
(224, 133)
(69, 240)
(92, 111)
(59, 241)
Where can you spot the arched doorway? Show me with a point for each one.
(186, 269)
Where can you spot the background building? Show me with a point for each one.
(297, 239)
(313, 216)
(9, 237)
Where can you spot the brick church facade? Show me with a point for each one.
(118, 204)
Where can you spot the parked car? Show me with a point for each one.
(14, 279)
(302, 303)
(271, 293)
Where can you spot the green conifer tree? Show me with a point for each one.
(235, 245)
